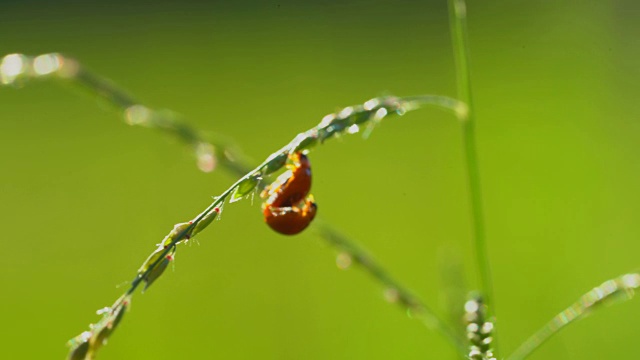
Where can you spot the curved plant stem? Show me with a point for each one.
(222, 154)
(372, 111)
(395, 292)
(611, 291)
(53, 65)
(458, 23)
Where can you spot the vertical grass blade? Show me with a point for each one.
(460, 43)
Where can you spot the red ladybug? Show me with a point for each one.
(288, 208)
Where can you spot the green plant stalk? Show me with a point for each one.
(459, 36)
(65, 68)
(336, 124)
(403, 297)
(611, 291)
(227, 158)
(304, 141)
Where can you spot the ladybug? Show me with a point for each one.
(289, 208)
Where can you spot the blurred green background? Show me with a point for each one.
(84, 198)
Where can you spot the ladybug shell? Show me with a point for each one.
(290, 220)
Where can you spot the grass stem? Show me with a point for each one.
(459, 36)
(611, 291)
(348, 120)
(415, 307)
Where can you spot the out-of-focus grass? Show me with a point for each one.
(83, 197)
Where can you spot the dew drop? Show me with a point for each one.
(609, 287)
(371, 104)
(487, 327)
(206, 157)
(631, 281)
(326, 121)
(473, 328)
(353, 129)
(104, 310)
(471, 306)
(344, 261)
(391, 295)
(11, 67)
(346, 112)
(137, 115)
(382, 112)
(47, 64)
